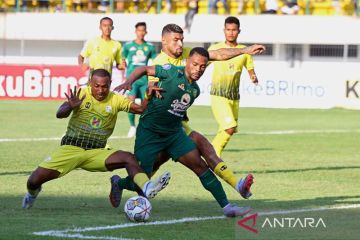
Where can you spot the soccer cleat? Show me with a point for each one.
(132, 132)
(151, 188)
(231, 210)
(244, 185)
(29, 199)
(115, 191)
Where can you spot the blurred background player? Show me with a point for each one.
(172, 52)
(225, 85)
(102, 51)
(137, 53)
(94, 113)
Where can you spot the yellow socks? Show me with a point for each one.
(223, 171)
(140, 179)
(220, 141)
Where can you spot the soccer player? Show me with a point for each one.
(102, 51)
(225, 85)
(137, 53)
(160, 128)
(173, 52)
(94, 113)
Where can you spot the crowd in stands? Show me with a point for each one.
(241, 7)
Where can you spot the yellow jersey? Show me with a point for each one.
(163, 58)
(94, 121)
(101, 53)
(226, 74)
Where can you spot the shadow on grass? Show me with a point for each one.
(301, 170)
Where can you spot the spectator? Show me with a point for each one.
(290, 7)
(213, 6)
(193, 8)
(271, 7)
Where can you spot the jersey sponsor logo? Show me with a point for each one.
(182, 86)
(132, 48)
(231, 66)
(95, 122)
(166, 66)
(108, 109)
(87, 105)
(179, 107)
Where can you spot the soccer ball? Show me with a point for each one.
(137, 209)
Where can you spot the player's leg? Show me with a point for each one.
(216, 164)
(185, 151)
(61, 162)
(223, 112)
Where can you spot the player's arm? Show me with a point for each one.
(138, 109)
(73, 101)
(228, 53)
(81, 63)
(135, 75)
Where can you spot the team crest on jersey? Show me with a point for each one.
(145, 49)
(166, 66)
(95, 122)
(108, 109)
(87, 105)
(231, 66)
(182, 86)
(185, 99)
(194, 92)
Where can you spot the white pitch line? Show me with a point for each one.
(67, 233)
(284, 132)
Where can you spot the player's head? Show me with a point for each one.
(100, 84)
(172, 40)
(196, 63)
(231, 28)
(106, 26)
(140, 30)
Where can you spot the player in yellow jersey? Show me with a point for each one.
(225, 85)
(173, 52)
(94, 113)
(102, 51)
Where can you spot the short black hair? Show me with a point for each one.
(201, 51)
(169, 28)
(232, 20)
(139, 24)
(101, 73)
(106, 18)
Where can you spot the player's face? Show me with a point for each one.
(100, 87)
(195, 66)
(231, 32)
(140, 32)
(106, 27)
(173, 43)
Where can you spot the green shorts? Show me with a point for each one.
(149, 144)
(67, 157)
(138, 88)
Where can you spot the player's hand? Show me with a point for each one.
(74, 100)
(255, 49)
(123, 87)
(154, 90)
(254, 79)
(84, 67)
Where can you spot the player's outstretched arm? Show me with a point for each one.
(152, 90)
(228, 53)
(73, 101)
(135, 75)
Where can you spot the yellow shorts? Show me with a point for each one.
(225, 111)
(67, 158)
(186, 127)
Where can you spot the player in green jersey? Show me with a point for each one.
(94, 113)
(137, 53)
(160, 128)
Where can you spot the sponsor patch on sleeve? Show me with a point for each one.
(166, 66)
